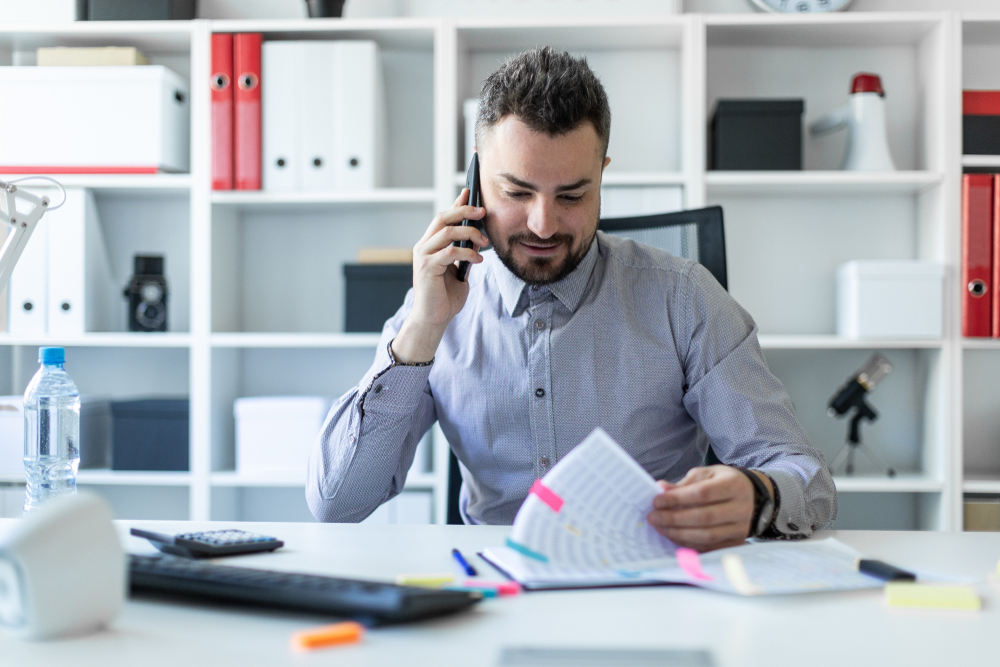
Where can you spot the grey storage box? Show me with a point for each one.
(374, 293)
(757, 135)
(150, 434)
(95, 432)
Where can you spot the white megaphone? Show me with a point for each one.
(864, 116)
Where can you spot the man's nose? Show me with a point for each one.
(542, 218)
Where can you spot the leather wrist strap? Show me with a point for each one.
(761, 496)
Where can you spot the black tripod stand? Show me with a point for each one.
(851, 398)
(853, 445)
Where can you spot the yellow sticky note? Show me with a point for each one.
(425, 580)
(902, 594)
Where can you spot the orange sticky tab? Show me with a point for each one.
(348, 632)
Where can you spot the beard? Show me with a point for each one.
(542, 270)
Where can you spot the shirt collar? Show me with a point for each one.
(569, 290)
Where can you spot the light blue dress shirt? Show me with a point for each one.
(641, 343)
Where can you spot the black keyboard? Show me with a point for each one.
(371, 602)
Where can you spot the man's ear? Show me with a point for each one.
(607, 161)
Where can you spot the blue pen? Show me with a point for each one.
(469, 570)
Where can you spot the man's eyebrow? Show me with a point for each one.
(528, 186)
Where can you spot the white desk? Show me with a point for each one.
(821, 629)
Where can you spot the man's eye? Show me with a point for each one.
(571, 199)
(520, 194)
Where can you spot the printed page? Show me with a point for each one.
(590, 511)
(774, 568)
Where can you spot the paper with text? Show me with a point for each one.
(584, 524)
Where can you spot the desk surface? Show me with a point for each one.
(851, 628)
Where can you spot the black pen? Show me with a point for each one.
(469, 570)
(884, 571)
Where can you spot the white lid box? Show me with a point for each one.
(890, 299)
(129, 119)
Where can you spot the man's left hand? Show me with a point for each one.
(710, 508)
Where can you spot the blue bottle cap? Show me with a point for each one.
(51, 355)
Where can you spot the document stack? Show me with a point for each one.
(63, 282)
(323, 116)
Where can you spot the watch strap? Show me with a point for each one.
(761, 497)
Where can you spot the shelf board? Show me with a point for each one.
(130, 184)
(264, 200)
(113, 339)
(981, 161)
(901, 483)
(422, 481)
(119, 478)
(981, 483)
(839, 30)
(390, 32)
(819, 182)
(623, 178)
(831, 342)
(981, 343)
(293, 340)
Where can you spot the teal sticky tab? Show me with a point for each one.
(523, 550)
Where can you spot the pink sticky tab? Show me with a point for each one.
(690, 563)
(546, 495)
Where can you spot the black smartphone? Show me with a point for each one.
(475, 199)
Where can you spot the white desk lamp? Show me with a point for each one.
(18, 223)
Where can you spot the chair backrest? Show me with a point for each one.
(696, 234)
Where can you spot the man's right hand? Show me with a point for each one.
(438, 294)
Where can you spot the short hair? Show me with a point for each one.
(550, 92)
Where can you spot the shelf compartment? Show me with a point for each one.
(770, 183)
(294, 340)
(111, 339)
(832, 342)
(901, 483)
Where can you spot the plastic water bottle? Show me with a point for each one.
(51, 430)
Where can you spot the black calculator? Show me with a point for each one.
(210, 543)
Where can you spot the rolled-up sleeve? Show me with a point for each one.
(370, 436)
(744, 410)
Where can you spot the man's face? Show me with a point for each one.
(542, 197)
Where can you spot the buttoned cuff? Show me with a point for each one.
(393, 387)
(791, 516)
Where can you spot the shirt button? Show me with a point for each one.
(792, 526)
(350, 438)
(539, 324)
(544, 462)
(378, 389)
(539, 392)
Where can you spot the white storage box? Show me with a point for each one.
(889, 299)
(275, 434)
(94, 120)
(12, 436)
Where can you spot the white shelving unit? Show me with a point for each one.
(261, 313)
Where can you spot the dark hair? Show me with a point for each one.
(548, 91)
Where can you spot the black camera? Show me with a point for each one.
(147, 295)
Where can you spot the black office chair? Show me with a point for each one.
(697, 234)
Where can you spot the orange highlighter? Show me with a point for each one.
(348, 632)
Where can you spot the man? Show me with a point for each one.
(561, 329)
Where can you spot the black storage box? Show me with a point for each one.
(756, 135)
(135, 10)
(150, 434)
(374, 293)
